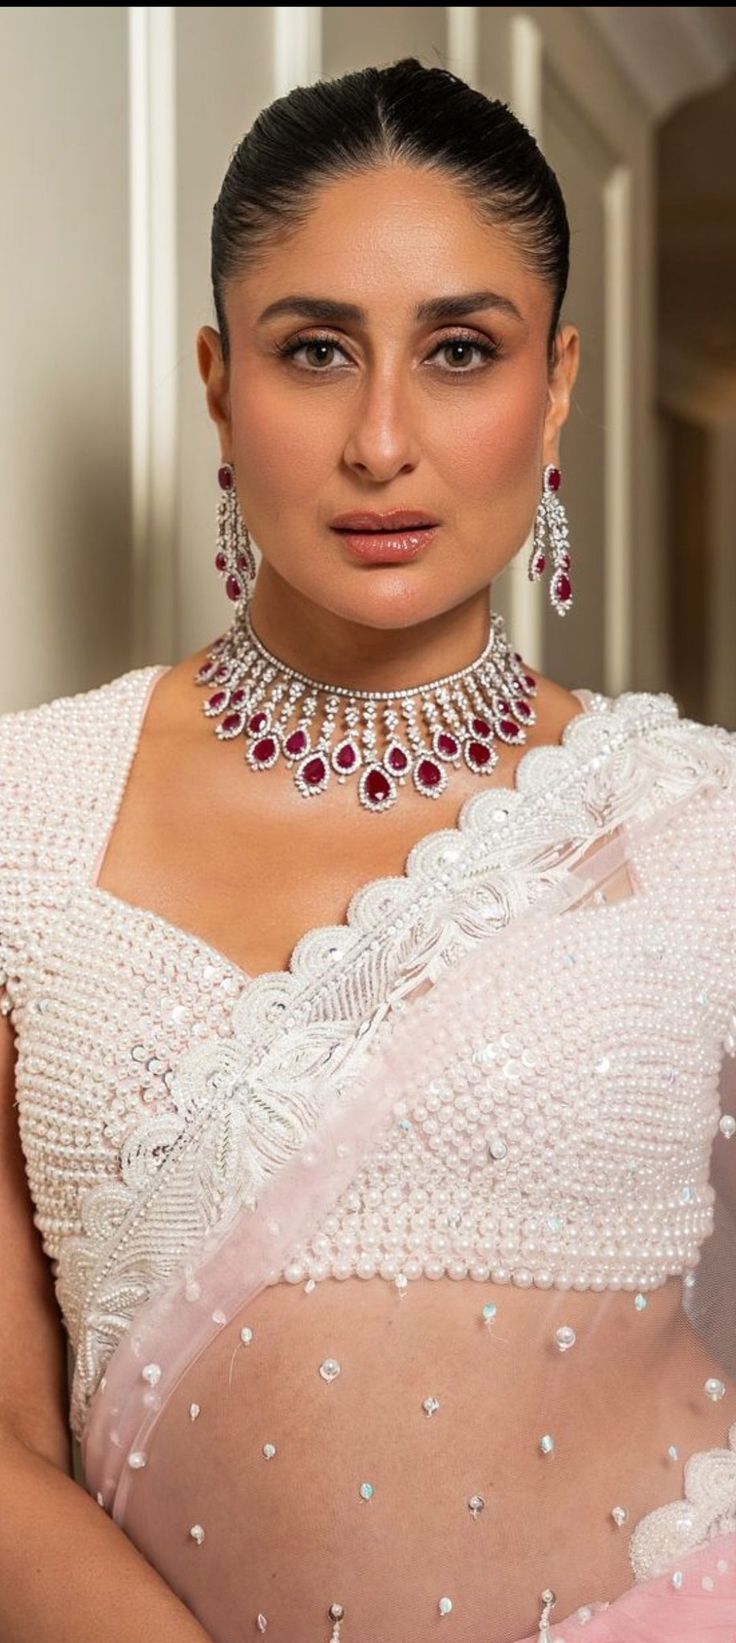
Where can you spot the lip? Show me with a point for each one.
(395, 547)
(397, 520)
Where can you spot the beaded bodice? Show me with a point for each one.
(574, 1151)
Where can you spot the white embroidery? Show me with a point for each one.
(707, 1508)
(129, 1028)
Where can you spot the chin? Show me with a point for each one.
(386, 598)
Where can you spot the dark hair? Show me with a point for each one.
(405, 112)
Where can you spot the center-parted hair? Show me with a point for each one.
(403, 114)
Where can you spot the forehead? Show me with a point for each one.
(392, 236)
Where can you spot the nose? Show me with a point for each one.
(382, 441)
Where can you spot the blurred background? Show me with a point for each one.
(117, 125)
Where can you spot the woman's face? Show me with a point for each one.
(378, 405)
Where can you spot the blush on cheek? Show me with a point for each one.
(280, 450)
(495, 454)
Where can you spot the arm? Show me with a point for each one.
(68, 1574)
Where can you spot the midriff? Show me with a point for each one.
(287, 1536)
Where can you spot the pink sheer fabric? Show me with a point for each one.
(439, 1452)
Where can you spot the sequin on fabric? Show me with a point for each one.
(121, 1019)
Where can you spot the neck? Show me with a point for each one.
(327, 647)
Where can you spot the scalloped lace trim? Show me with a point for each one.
(707, 1508)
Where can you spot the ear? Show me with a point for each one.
(216, 378)
(562, 375)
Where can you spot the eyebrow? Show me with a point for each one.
(436, 309)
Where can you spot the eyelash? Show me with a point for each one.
(490, 350)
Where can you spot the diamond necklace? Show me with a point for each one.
(383, 737)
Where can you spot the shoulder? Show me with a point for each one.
(660, 745)
(59, 765)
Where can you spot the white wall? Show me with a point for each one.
(119, 128)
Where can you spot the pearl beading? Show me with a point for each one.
(119, 1013)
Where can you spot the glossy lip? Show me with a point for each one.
(397, 520)
(388, 547)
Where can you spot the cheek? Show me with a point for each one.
(492, 443)
(282, 444)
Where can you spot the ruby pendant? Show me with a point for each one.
(397, 760)
(510, 732)
(346, 757)
(561, 592)
(258, 722)
(446, 746)
(312, 775)
(480, 757)
(263, 754)
(216, 703)
(296, 744)
(376, 789)
(429, 778)
(230, 726)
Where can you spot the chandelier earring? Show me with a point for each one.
(551, 536)
(234, 559)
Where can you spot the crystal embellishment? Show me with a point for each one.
(330, 1369)
(475, 1506)
(430, 1405)
(277, 709)
(714, 1389)
(445, 1605)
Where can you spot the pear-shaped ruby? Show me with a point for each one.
(480, 727)
(222, 671)
(221, 560)
(256, 723)
(346, 757)
(554, 479)
(478, 754)
(562, 588)
(314, 771)
(233, 587)
(507, 727)
(376, 786)
(225, 478)
(238, 697)
(522, 709)
(397, 760)
(264, 750)
(232, 723)
(429, 774)
(447, 745)
(217, 701)
(296, 742)
(530, 682)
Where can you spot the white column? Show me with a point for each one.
(153, 329)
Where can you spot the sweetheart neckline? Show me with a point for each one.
(248, 978)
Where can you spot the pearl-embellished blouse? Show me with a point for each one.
(569, 1152)
(106, 998)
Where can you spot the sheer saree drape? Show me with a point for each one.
(253, 1165)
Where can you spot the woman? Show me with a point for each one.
(376, 1145)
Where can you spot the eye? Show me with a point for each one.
(321, 349)
(461, 349)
